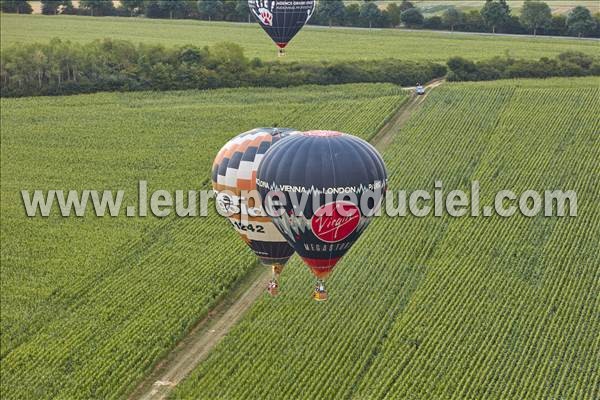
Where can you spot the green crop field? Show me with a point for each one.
(433, 307)
(312, 44)
(90, 304)
(442, 307)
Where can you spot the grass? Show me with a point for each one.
(448, 308)
(313, 43)
(90, 304)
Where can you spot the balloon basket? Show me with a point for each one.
(319, 296)
(277, 269)
(280, 52)
(320, 293)
(273, 288)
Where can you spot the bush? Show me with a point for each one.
(412, 18)
(15, 6)
(462, 69)
(576, 57)
(434, 22)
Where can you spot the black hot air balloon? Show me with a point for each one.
(282, 19)
(343, 180)
(234, 181)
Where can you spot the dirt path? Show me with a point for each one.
(204, 336)
(209, 331)
(386, 134)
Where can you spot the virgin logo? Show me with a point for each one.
(335, 221)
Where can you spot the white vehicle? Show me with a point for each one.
(420, 90)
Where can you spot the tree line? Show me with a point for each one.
(63, 67)
(495, 16)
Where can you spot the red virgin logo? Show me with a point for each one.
(335, 221)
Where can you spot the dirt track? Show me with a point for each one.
(386, 134)
(209, 331)
(201, 340)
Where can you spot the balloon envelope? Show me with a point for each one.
(342, 179)
(282, 19)
(234, 180)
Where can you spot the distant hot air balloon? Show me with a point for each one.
(234, 181)
(282, 19)
(343, 180)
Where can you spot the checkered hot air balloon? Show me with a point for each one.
(234, 181)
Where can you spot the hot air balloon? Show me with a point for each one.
(321, 189)
(282, 19)
(234, 181)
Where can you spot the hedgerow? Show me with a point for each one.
(62, 67)
(569, 63)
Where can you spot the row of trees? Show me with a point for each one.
(495, 15)
(228, 10)
(63, 67)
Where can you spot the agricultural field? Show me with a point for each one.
(90, 304)
(442, 307)
(312, 44)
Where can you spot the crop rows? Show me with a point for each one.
(443, 307)
(90, 304)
